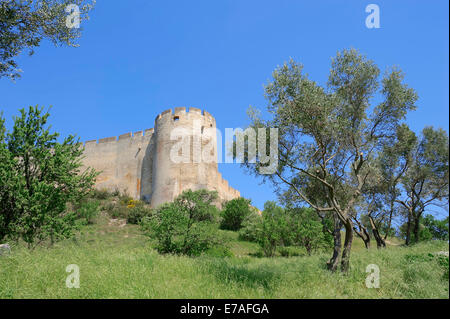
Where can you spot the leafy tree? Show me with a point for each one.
(250, 224)
(330, 133)
(285, 227)
(25, 23)
(184, 226)
(425, 183)
(39, 176)
(271, 229)
(234, 213)
(307, 230)
(438, 229)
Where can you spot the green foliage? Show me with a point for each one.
(285, 227)
(185, 226)
(307, 231)
(430, 228)
(101, 194)
(249, 230)
(234, 213)
(119, 211)
(328, 135)
(24, 24)
(435, 228)
(137, 213)
(39, 176)
(125, 199)
(112, 257)
(89, 210)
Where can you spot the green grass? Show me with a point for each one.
(118, 262)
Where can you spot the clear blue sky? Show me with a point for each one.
(139, 57)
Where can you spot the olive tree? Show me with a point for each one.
(426, 181)
(25, 23)
(329, 133)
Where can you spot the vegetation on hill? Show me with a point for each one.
(344, 150)
(117, 261)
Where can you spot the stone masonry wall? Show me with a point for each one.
(140, 163)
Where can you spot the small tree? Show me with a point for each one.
(234, 213)
(438, 229)
(271, 229)
(184, 226)
(307, 230)
(426, 181)
(39, 176)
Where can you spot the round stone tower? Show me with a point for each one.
(185, 153)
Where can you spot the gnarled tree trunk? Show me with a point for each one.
(345, 262)
(333, 263)
(363, 234)
(381, 243)
(408, 229)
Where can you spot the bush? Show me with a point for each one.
(89, 210)
(184, 226)
(101, 194)
(119, 212)
(137, 213)
(125, 199)
(249, 230)
(109, 207)
(234, 213)
(279, 227)
(307, 230)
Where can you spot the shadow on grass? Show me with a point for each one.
(244, 274)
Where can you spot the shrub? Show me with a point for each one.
(119, 212)
(109, 207)
(307, 230)
(280, 227)
(125, 199)
(89, 210)
(234, 213)
(249, 230)
(184, 226)
(137, 213)
(101, 194)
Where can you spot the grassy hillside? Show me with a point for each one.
(116, 261)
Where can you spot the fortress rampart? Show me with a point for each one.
(142, 163)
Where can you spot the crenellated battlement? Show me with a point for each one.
(127, 136)
(139, 163)
(183, 114)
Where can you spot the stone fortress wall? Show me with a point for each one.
(140, 164)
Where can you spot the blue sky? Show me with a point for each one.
(139, 57)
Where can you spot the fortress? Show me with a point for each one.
(142, 164)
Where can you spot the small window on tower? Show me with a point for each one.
(176, 118)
